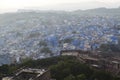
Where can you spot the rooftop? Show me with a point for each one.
(29, 73)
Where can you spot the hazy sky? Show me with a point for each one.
(13, 5)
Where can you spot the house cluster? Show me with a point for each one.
(110, 64)
(83, 33)
(21, 37)
(30, 74)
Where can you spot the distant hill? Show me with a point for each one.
(95, 11)
(101, 11)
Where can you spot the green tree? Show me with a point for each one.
(46, 50)
(105, 47)
(4, 69)
(70, 77)
(60, 71)
(102, 75)
(117, 78)
(81, 77)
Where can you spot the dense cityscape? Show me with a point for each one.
(38, 34)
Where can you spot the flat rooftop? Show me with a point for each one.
(30, 70)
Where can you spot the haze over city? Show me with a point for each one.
(59, 39)
(68, 5)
